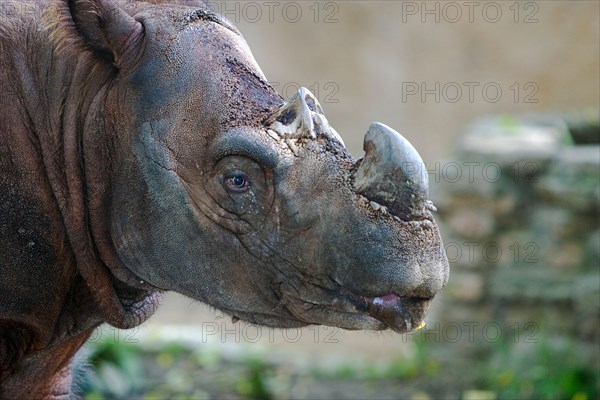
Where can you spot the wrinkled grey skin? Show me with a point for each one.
(163, 160)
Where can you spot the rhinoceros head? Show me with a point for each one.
(215, 187)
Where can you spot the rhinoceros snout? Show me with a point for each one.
(392, 173)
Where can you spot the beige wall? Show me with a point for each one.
(377, 48)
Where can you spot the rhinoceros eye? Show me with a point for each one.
(237, 182)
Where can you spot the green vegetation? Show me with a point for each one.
(500, 370)
(253, 384)
(546, 371)
(118, 370)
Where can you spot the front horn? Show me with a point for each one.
(392, 173)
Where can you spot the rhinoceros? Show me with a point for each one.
(142, 150)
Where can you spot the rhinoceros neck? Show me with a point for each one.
(56, 89)
(51, 86)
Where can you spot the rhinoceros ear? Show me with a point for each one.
(108, 30)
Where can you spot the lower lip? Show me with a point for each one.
(390, 300)
(387, 309)
(390, 310)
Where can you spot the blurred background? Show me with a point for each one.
(502, 101)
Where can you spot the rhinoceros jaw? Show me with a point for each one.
(301, 117)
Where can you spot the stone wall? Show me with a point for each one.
(519, 212)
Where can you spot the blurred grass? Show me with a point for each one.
(547, 371)
(500, 370)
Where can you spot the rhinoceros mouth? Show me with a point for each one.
(401, 314)
(352, 311)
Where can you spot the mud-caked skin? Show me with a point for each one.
(142, 150)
